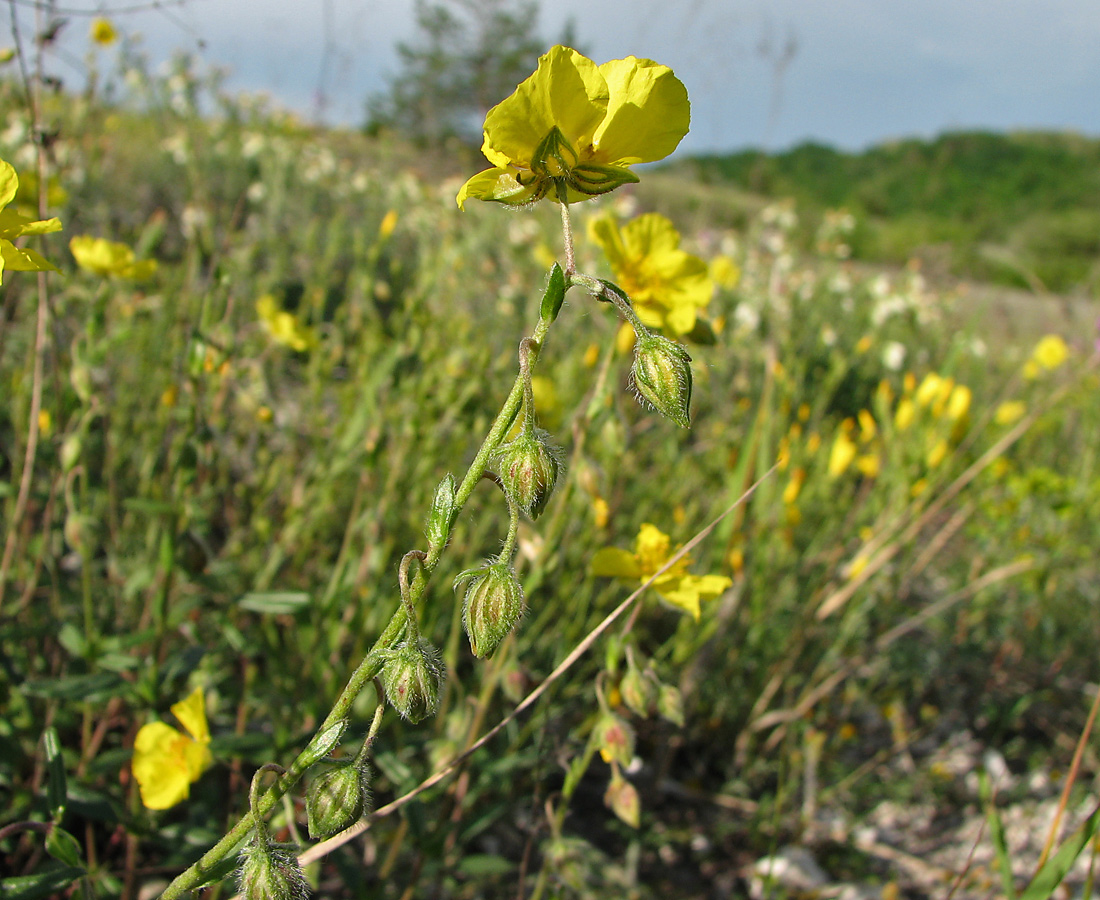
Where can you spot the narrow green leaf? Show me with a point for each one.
(997, 836)
(1055, 869)
(275, 603)
(41, 884)
(56, 786)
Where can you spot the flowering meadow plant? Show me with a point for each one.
(570, 132)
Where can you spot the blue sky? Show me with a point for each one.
(860, 71)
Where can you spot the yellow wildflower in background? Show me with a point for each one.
(13, 225)
(841, 456)
(283, 326)
(1010, 411)
(725, 272)
(666, 285)
(387, 225)
(579, 125)
(103, 257)
(1049, 354)
(167, 762)
(652, 550)
(103, 32)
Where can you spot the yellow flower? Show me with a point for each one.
(936, 454)
(725, 272)
(576, 127)
(867, 427)
(103, 32)
(1009, 412)
(13, 225)
(283, 326)
(1050, 352)
(903, 416)
(958, 404)
(167, 762)
(652, 550)
(841, 456)
(929, 389)
(387, 225)
(666, 285)
(103, 257)
(869, 464)
(794, 486)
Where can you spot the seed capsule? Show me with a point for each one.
(412, 675)
(529, 467)
(337, 799)
(492, 606)
(661, 377)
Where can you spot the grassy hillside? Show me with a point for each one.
(1018, 208)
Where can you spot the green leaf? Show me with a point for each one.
(275, 603)
(56, 788)
(41, 884)
(555, 294)
(99, 686)
(322, 744)
(1054, 870)
(63, 847)
(997, 836)
(479, 865)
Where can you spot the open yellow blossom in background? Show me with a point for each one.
(13, 225)
(579, 125)
(284, 327)
(167, 762)
(1048, 355)
(103, 32)
(106, 258)
(666, 285)
(652, 549)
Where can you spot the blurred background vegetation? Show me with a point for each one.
(235, 450)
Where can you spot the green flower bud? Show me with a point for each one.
(412, 675)
(637, 689)
(670, 704)
(492, 607)
(271, 872)
(337, 799)
(529, 467)
(71, 448)
(661, 376)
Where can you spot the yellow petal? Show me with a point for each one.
(9, 183)
(648, 112)
(160, 767)
(615, 563)
(495, 184)
(566, 91)
(192, 715)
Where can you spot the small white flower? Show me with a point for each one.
(893, 355)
